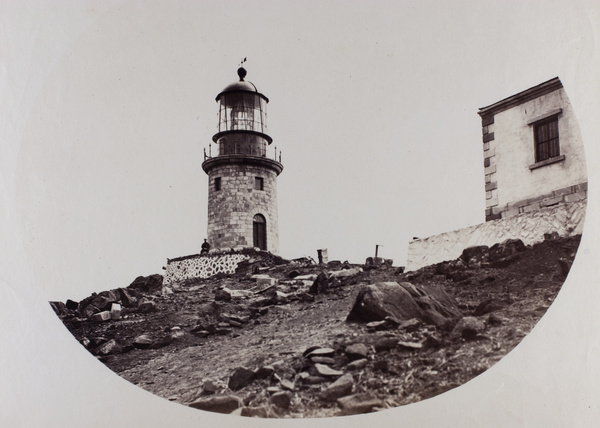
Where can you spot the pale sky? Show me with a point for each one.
(374, 109)
(106, 108)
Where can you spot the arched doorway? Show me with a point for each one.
(259, 231)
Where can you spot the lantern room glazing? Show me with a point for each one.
(242, 119)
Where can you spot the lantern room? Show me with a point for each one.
(242, 124)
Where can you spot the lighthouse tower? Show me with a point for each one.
(242, 172)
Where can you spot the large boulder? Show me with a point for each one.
(485, 254)
(128, 297)
(506, 249)
(151, 283)
(402, 302)
(477, 254)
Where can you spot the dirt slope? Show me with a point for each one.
(194, 336)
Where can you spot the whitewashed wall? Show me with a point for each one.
(567, 219)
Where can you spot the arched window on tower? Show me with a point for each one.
(259, 231)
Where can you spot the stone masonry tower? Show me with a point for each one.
(242, 178)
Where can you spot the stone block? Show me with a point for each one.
(115, 311)
(488, 137)
(574, 197)
(487, 120)
(539, 198)
(510, 212)
(534, 206)
(490, 169)
(101, 316)
(491, 202)
(265, 282)
(110, 347)
(486, 162)
(546, 202)
(489, 153)
(493, 217)
(486, 146)
(491, 186)
(485, 130)
(564, 191)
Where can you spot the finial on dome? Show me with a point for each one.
(242, 71)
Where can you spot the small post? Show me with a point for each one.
(375, 261)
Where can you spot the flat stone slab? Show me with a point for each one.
(322, 360)
(340, 388)
(101, 316)
(358, 403)
(357, 364)
(310, 277)
(221, 404)
(327, 371)
(321, 352)
(410, 345)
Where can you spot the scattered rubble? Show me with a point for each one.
(296, 339)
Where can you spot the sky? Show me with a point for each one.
(373, 108)
(106, 108)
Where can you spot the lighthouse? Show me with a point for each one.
(242, 172)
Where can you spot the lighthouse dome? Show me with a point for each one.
(241, 86)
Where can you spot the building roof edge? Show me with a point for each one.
(521, 97)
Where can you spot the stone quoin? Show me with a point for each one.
(242, 172)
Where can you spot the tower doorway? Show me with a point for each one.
(259, 231)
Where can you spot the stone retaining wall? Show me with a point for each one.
(197, 266)
(566, 218)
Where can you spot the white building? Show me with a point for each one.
(533, 153)
(535, 176)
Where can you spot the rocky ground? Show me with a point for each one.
(294, 339)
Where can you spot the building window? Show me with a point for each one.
(217, 184)
(546, 139)
(259, 183)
